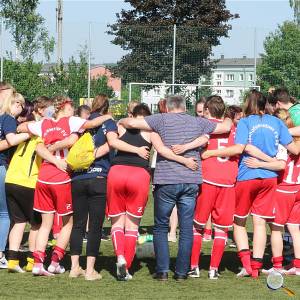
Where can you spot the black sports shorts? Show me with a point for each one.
(20, 204)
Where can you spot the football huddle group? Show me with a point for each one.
(223, 164)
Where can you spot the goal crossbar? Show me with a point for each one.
(199, 85)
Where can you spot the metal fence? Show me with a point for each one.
(168, 56)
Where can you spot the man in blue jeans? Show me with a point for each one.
(175, 184)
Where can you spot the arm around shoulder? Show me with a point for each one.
(223, 127)
(14, 139)
(96, 122)
(234, 150)
(293, 147)
(137, 123)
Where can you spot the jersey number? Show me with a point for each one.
(289, 177)
(221, 145)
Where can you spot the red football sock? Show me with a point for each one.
(118, 240)
(39, 257)
(197, 245)
(296, 263)
(217, 249)
(207, 231)
(256, 264)
(130, 244)
(277, 262)
(57, 254)
(245, 257)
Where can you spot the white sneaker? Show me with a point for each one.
(266, 271)
(243, 273)
(194, 273)
(213, 274)
(40, 271)
(128, 276)
(56, 269)
(3, 262)
(121, 268)
(16, 269)
(293, 271)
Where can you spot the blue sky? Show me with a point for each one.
(262, 15)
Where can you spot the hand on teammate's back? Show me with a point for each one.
(191, 163)
(61, 164)
(51, 148)
(178, 149)
(206, 154)
(252, 163)
(143, 152)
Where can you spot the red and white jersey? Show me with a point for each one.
(289, 178)
(220, 171)
(52, 131)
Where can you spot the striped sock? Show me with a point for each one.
(208, 232)
(277, 262)
(118, 240)
(57, 254)
(39, 257)
(196, 249)
(245, 257)
(130, 245)
(217, 250)
(256, 264)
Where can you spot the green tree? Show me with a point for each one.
(281, 62)
(100, 86)
(77, 77)
(146, 32)
(65, 79)
(295, 5)
(26, 78)
(71, 79)
(27, 28)
(57, 80)
(135, 93)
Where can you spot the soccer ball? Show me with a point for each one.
(145, 250)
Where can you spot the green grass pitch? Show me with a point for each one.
(25, 286)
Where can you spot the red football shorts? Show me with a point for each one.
(255, 196)
(127, 191)
(51, 198)
(287, 208)
(217, 201)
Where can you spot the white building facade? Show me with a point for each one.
(231, 78)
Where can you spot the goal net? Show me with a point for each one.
(151, 93)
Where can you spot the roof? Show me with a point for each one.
(222, 62)
(230, 62)
(46, 68)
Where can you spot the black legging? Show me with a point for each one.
(89, 200)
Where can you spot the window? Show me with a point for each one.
(241, 77)
(219, 92)
(219, 76)
(241, 92)
(219, 83)
(230, 77)
(250, 77)
(229, 93)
